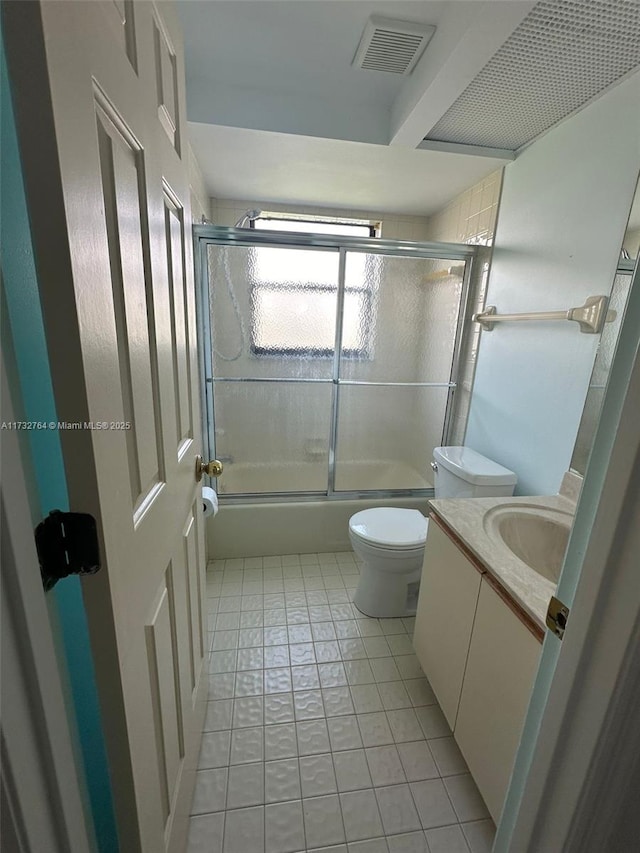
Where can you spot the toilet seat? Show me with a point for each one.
(390, 528)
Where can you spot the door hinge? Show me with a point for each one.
(67, 544)
(557, 616)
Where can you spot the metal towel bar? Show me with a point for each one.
(590, 317)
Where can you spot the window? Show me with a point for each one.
(294, 294)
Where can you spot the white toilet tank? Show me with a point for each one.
(460, 472)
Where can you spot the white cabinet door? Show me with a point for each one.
(502, 662)
(449, 590)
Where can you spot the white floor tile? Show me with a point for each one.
(299, 633)
(205, 833)
(376, 647)
(278, 708)
(280, 741)
(327, 651)
(366, 698)
(276, 656)
(337, 701)
(372, 845)
(251, 658)
(323, 821)
(480, 835)
(284, 829)
(346, 629)
(218, 716)
(313, 737)
(248, 711)
(409, 666)
(245, 786)
(305, 677)
(282, 780)
(433, 722)
(244, 831)
(448, 756)
(360, 815)
(393, 695)
(384, 764)
(446, 839)
(352, 649)
(301, 653)
(344, 733)
(214, 750)
(404, 725)
(400, 644)
(275, 636)
(249, 683)
(308, 705)
(250, 638)
(332, 674)
(433, 804)
(223, 661)
(466, 799)
(359, 672)
(385, 669)
(397, 809)
(409, 842)
(374, 729)
(277, 680)
(352, 772)
(417, 761)
(210, 791)
(420, 691)
(323, 631)
(317, 775)
(247, 745)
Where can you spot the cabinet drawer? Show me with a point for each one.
(449, 590)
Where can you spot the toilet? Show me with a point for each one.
(390, 541)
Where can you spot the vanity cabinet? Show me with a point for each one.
(480, 653)
(502, 662)
(449, 589)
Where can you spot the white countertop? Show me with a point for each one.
(465, 518)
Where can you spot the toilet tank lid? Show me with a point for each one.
(392, 526)
(473, 467)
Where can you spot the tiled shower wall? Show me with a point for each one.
(470, 218)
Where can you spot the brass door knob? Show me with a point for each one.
(212, 468)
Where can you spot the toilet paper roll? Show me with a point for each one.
(209, 501)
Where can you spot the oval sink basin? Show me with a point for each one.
(535, 535)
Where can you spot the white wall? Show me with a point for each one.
(564, 207)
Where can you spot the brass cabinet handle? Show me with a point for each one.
(213, 468)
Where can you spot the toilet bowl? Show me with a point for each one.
(390, 541)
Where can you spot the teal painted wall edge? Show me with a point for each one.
(27, 328)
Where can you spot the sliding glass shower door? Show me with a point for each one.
(329, 367)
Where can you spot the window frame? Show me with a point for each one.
(364, 353)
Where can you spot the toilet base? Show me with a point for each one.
(384, 595)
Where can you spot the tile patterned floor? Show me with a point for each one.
(322, 734)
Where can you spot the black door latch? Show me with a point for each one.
(67, 544)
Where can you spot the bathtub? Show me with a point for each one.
(256, 527)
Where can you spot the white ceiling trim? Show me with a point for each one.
(446, 69)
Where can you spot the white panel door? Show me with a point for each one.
(101, 114)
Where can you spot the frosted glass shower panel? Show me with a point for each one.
(272, 436)
(402, 325)
(386, 436)
(273, 311)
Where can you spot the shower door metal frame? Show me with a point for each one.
(205, 235)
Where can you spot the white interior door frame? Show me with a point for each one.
(42, 803)
(579, 795)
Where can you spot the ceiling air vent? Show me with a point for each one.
(392, 46)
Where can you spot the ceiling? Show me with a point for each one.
(277, 112)
(286, 168)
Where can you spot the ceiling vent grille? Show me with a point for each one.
(563, 54)
(392, 46)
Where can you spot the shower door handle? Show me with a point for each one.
(213, 468)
